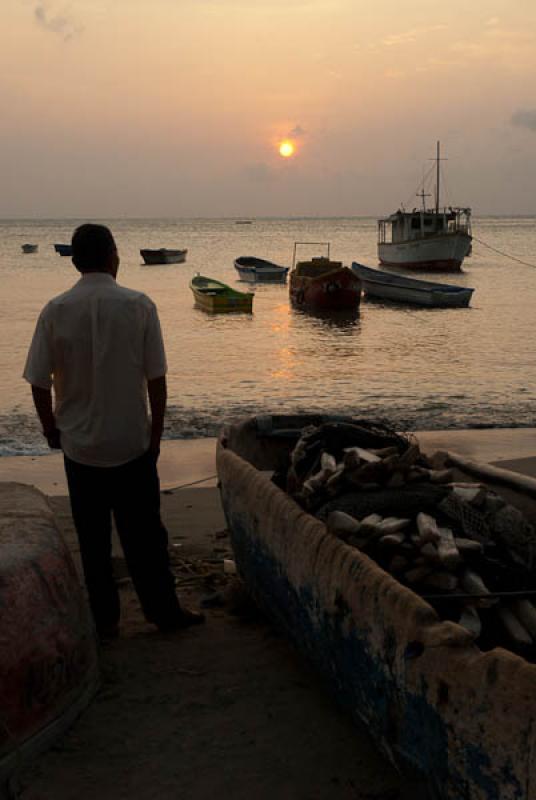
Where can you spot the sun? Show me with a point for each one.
(286, 149)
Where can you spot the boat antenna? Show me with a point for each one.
(422, 194)
(438, 160)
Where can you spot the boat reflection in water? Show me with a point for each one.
(348, 320)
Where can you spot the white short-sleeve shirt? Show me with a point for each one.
(98, 344)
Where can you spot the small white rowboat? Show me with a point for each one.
(259, 270)
(390, 286)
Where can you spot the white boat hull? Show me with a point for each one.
(431, 300)
(440, 253)
(401, 289)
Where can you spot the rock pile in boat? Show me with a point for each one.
(458, 544)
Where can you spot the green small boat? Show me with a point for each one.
(212, 295)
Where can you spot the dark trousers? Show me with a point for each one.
(131, 492)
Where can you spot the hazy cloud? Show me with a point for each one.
(259, 173)
(496, 43)
(297, 132)
(407, 37)
(60, 23)
(525, 119)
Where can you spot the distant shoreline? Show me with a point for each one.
(297, 217)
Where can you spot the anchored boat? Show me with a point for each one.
(434, 239)
(216, 297)
(258, 270)
(63, 249)
(163, 256)
(401, 289)
(322, 284)
(430, 697)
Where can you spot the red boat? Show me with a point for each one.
(48, 650)
(324, 285)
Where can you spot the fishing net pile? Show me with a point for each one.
(458, 544)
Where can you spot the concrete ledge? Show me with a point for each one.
(48, 649)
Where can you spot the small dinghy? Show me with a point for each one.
(400, 289)
(258, 270)
(216, 297)
(163, 256)
(63, 249)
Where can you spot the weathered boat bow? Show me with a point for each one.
(48, 650)
(432, 700)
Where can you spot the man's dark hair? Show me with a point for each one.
(92, 246)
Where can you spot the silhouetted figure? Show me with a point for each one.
(99, 347)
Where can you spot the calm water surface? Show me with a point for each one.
(416, 368)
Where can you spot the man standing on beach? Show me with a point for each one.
(99, 346)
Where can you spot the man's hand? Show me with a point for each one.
(53, 438)
(154, 448)
(43, 404)
(157, 401)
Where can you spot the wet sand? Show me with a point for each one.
(186, 461)
(228, 708)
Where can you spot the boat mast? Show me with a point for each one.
(438, 159)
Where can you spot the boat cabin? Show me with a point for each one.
(316, 267)
(408, 226)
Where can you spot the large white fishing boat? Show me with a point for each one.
(433, 239)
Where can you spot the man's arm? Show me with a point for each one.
(157, 390)
(43, 405)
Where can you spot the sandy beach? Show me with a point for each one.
(229, 707)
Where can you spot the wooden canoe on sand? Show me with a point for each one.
(430, 697)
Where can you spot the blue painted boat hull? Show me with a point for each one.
(258, 270)
(431, 699)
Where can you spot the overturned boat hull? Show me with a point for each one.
(432, 700)
(48, 651)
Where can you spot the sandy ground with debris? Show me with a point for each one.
(224, 709)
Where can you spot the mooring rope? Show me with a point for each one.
(502, 253)
(193, 483)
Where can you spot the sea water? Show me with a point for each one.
(415, 368)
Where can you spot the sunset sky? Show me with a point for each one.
(147, 108)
